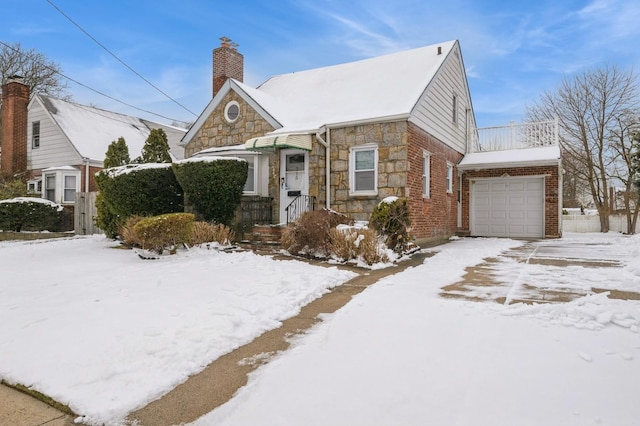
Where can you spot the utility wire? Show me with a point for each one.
(118, 59)
(91, 88)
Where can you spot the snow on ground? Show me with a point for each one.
(105, 332)
(399, 354)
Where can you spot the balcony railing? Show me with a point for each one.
(514, 136)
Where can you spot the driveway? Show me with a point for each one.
(546, 271)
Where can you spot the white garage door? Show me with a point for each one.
(508, 207)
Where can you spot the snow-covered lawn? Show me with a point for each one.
(105, 332)
(398, 354)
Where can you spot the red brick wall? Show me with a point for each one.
(227, 63)
(552, 194)
(15, 99)
(436, 216)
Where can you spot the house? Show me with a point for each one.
(345, 137)
(60, 145)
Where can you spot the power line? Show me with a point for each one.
(91, 88)
(120, 60)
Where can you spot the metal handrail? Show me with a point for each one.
(299, 205)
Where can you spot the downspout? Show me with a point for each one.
(86, 173)
(327, 172)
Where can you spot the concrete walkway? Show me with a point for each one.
(19, 409)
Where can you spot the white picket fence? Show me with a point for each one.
(591, 223)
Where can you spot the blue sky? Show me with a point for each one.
(513, 50)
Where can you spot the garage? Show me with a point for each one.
(507, 207)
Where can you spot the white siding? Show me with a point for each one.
(55, 150)
(434, 111)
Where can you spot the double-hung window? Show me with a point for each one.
(69, 194)
(35, 134)
(426, 175)
(449, 178)
(363, 170)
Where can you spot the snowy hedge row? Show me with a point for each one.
(30, 214)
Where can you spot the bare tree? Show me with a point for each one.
(587, 107)
(621, 138)
(39, 73)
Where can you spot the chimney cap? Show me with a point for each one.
(15, 78)
(227, 42)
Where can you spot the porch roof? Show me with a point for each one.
(538, 156)
(298, 141)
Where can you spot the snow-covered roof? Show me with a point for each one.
(371, 89)
(539, 156)
(91, 129)
(384, 86)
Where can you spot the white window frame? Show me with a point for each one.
(449, 178)
(454, 117)
(65, 188)
(35, 136)
(60, 175)
(252, 160)
(352, 169)
(426, 174)
(226, 111)
(34, 186)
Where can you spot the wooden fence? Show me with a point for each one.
(85, 211)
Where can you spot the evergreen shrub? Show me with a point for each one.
(144, 190)
(212, 185)
(30, 214)
(391, 219)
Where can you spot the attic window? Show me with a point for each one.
(232, 111)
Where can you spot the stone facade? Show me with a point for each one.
(552, 193)
(217, 131)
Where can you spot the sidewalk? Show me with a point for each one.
(19, 409)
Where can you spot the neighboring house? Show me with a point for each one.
(346, 136)
(60, 145)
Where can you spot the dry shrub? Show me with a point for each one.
(310, 233)
(391, 219)
(127, 232)
(350, 243)
(204, 232)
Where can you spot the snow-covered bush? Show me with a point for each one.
(212, 185)
(137, 189)
(29, 214)
(348, 243)
(391, 219)
(309, 235)
(164, 232)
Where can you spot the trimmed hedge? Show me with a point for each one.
(141, 189)
(213, 185)
(30, 214)
(164, 232)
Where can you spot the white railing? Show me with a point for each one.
(514, 136)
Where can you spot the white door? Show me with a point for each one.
(294, 181)
(507, 207)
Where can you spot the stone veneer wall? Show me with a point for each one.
(391, 139)
(217, 132)
(437, 215)
(552, 193)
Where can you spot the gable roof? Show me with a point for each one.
(371, 89)
(90, 130)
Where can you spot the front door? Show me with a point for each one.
(294, 181)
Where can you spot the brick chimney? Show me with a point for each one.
(15, 99)
(227, 63)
